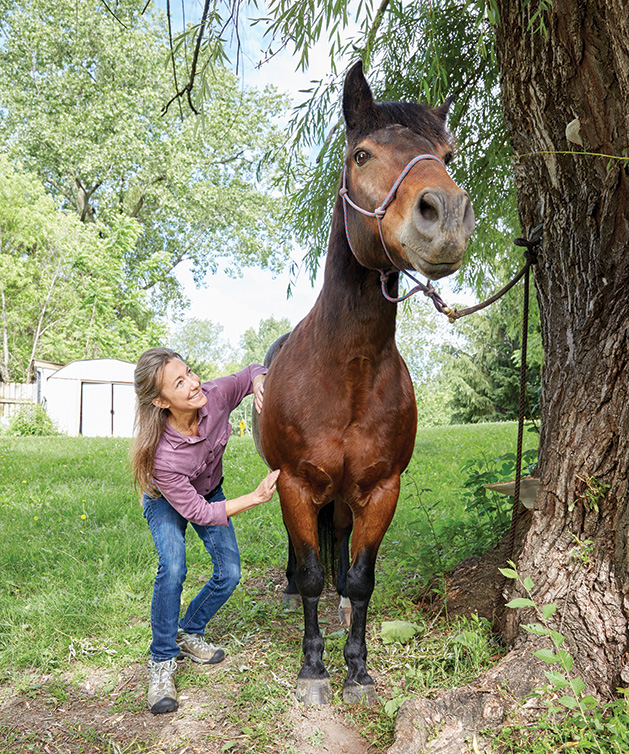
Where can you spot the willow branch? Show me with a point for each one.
(187, 89)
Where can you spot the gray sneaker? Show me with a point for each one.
(162, 692)
(196, 648)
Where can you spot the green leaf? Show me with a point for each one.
(577, 685)
(546, 654)
(557, 638)
(520, 602)
(589, 702)
(557, 678)
(509, 573)
(528, 583)
(565, 659)
(548, 611)
(398, 631)
(536, 628)
(569, 701)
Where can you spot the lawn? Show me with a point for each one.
(77, 564)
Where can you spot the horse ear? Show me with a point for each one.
(357, 96)
(441, 112)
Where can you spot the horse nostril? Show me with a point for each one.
(428, 209)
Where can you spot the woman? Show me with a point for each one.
(182, 427)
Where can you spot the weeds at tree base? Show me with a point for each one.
(575, 720)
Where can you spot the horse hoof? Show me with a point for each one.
(314, 691)
(356, 693)
(345, 612)
(291, 601)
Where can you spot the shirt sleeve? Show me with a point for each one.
(236, 386)
(183, 497)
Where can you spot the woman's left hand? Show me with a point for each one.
(258, 391)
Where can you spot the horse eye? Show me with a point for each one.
(447, 158)
(361, 157)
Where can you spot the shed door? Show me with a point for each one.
(124, 410)
(96, 406)
(107, 409)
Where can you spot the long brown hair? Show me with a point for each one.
(149, 419)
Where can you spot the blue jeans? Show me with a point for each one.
(168, 528)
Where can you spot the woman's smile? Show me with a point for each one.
(181, 388)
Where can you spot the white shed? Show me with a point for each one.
(93, 398)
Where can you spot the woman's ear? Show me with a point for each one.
(159, 403)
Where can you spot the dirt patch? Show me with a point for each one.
(323, 730)
(53, 718)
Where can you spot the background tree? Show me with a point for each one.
(255, 343)
(203, 346)
(483, 364)
(81, 98)
(62, 291)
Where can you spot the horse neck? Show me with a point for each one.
(351, 304)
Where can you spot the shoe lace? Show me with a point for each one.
(161, 671)
(198, 641)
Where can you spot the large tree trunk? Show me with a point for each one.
(576, 550)
(576, 546)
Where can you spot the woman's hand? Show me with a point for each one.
(262, 494)
(258, 391)
(264, 491)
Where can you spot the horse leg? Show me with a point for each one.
(370, 526)
(313, 681)
(343, 521)
(359, 686)
(301, 520)
(291, 598)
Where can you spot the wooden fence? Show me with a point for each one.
(12, 396)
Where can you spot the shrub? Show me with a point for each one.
(31, 419)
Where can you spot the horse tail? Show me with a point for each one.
(327, 539)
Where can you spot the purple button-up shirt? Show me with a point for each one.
(187, 468)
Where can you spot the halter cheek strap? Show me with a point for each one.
(379, 213)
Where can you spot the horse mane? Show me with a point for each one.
(416, 117)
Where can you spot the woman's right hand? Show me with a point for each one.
(262, 494)
(264, 491)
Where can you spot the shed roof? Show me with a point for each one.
(96, 370)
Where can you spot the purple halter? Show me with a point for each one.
(379, 213)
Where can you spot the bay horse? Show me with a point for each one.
(339, 415)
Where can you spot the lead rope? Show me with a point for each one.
(531, 259)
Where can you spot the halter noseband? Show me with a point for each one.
(379, 213)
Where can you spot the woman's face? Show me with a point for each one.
(181, 389)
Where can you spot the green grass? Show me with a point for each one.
(77, 564)
(77, 559)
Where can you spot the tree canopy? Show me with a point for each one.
(82, 106)
(63, 293)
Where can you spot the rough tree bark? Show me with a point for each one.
(580, 69)
(576, 549)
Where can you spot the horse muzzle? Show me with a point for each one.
(435, 236)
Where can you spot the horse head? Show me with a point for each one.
(395, 174)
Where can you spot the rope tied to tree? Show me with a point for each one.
(530, 245)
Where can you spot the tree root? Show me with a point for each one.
(451, 722)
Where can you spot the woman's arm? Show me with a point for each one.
(258, 391)
(262, 494)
